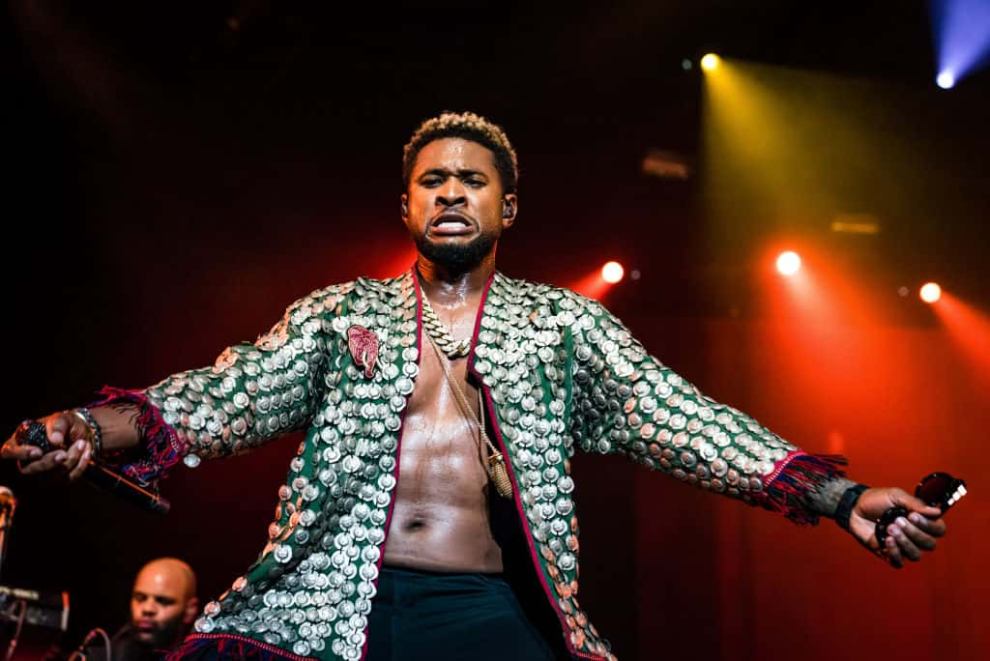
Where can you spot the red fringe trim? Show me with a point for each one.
(787, 488)
(160, 447)
(214, 647)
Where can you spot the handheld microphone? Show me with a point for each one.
(32, 432)
(939, 490)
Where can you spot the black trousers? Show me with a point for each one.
(441, 616)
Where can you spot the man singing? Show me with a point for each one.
(442, 408)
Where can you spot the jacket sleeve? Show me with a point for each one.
(625, 401)
(254, 392)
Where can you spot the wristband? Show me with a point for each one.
(846, 504)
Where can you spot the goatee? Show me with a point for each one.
(456, 257)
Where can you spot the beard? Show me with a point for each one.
(457, 258)
(165, 635)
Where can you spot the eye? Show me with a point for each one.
(431, 181)
(475, 182)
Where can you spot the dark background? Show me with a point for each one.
(177, 174)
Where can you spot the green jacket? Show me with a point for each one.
(558, 374)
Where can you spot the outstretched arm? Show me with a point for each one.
(254, 392)
(626, 401)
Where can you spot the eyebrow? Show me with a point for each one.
(162, 599)
(460, 173)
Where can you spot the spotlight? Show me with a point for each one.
(612, 272)
(788, 263)
(710, 62)
(930, 292)
(945, 80)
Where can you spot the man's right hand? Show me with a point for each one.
(71, 451)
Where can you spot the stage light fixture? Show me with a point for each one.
(930, 292)
(710, 62)
(612, 272)
(788, 263)
(962, 38)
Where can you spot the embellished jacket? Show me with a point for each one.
(558, 374)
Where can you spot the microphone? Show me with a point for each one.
(32, 432)
(939, 490)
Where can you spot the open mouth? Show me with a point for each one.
(450, 224)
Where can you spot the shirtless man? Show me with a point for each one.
(410, 563)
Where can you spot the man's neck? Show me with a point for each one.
(453, 289)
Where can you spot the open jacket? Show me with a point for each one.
(558, 374)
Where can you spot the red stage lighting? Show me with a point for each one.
(612, 272)
(930, 292)
(788, 263)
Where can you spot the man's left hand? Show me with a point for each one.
(908, 537)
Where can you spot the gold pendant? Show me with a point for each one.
(499, 475)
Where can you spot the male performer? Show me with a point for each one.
(163, 607)
(384, 543)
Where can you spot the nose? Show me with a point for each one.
(451, 194)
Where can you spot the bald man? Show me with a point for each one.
(163, 606)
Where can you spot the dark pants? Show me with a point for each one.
(426, 615)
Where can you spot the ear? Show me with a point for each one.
(191, 611)
(404, 206)
(510, 207)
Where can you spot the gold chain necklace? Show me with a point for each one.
(451, 346)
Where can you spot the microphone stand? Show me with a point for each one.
(7, 506)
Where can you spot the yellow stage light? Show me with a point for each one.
(710, 62)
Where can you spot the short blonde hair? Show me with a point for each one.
(469, 126)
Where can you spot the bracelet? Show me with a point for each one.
(846, 504)
(96, 432)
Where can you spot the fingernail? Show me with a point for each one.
(56, 437)
(901, 521)
(34, 452)
(914, 516)
(80, 445)
(60, 456)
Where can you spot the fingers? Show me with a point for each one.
(903, 499)
(934, 527)
(46, 463)
(57, 427)
(893, 553)
(13, 450)
(921, 539)
(78, 459)
(74, 456)
(905, 544)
